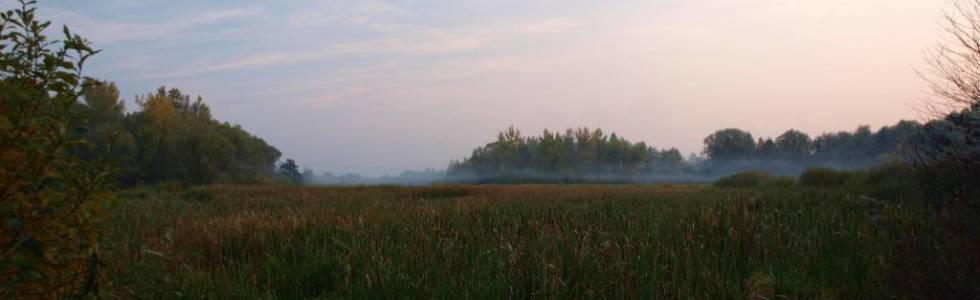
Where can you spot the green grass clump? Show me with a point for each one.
(744, 180)
(824, 177)
(780, 182)
(532, 241)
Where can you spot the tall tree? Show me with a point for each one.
(729, 145)
(103, 128)
(290, 170)
(794, 145)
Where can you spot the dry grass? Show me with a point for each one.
(535, 241)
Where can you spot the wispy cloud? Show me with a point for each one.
(331, 13)
(392, 40)
(107, 31)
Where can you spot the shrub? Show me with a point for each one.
(780, 182)
(888, 181)
(197, 194)
(51, 202)
(824, 177)
(743, 180)
(948, 154)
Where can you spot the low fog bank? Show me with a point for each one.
(409, 177)
(693, 170)
(697, 171)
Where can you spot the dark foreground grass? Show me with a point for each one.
(682, 242)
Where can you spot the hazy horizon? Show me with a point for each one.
(369, 86)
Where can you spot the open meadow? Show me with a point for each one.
(750, 149)
(533, 241)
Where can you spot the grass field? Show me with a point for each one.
(537, 241)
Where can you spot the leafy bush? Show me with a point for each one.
(743, 180)
(824, 177)
(51, 202)
(888, 181)
(197, 194)
(780, 182)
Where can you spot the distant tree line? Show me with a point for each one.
(735, 150)
(590, 155)
(169, 138)
(579, 154)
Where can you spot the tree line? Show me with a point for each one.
(590, 155)
(169, 137)
(734, 150)
(577, 154)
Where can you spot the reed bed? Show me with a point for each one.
(534, 241)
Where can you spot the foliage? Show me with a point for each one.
(104, 127)
(794, 145)
(290, 171)
(585, 155)
(51, 202)
(891, 180)
(824, 177)
(576, 155)
(171, 138)
(949, 150)
(794, 151)
(729, 145)
(781, 182)
(744, 180)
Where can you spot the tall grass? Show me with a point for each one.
(681, 242)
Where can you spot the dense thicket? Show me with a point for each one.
(170, 138)
(587, 155)
(948, 153)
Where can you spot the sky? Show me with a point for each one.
(377, 87)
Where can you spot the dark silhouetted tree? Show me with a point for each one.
(290, 170)
(794, 145)
(729, 145)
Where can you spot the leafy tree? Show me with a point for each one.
(794, 145)
(51, 202)
(171, 138)
(766, 149)
(729, 145)
(104, 127)
(290, 170)
(579, 154)
(586, 154)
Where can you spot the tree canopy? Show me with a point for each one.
(172, 138)
(590, 155)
